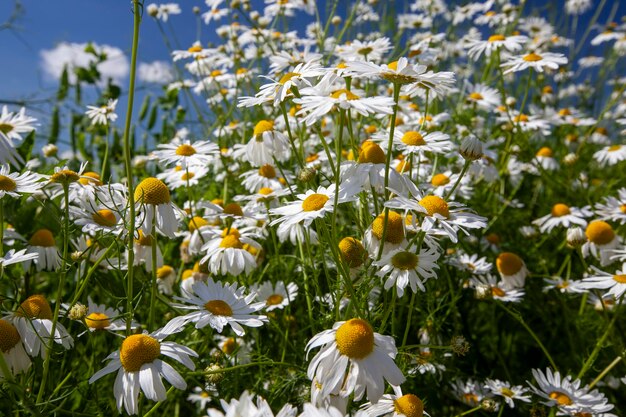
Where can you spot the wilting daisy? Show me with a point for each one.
(507, 391)
(266, 144)
(183, 152)
(139, 368)
(313, 204)
(354, 359)
(33, 321)
(153, 199)
(103, 114)
(230, 253)
(615, 283)
(276, 296)
(537, 61)
(601, 241)
(12, 349)
(15, 184)
(512, 269)
(43, 244)
(217, 305)
(405, 267)
(564, 216)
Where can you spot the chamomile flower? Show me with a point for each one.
(495, 42)
(12, 126)
(43, 244)
(405, 267)
(507, 391)
(396, 405)
(615, 283)
(230, 253)
(601, 241)
(512, 269)
(12, 349)
(610, 155)
(536, 61)
(183, 152)
(139, 368)
(354, 360)
(13, 257)
(265, 177)
(276, 296)
(416, 142)
(15, 185)
(613, 208)
(484, 97)
(237, 350)
(34, 323)
(101, 317)
(152, 198)
(562, 215)
(471, 263)
(201, 396)
(266, 144)
(104, 114)
(166, 275)
(312, 205)
(394, 233)
(217, 305)
(488, 286)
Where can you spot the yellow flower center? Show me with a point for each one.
(409, 405)
(352, 251)
(312, 158)
(355, 339)
(185, 150)
(622, 208)
(413, 138)
(187, 176)
(97, 321)
(564, 112)
(5, 128)
(621, 278)
(545, 152)
(274, 300)
(143, 239)
(496, 38)
(349, 95)
(42, 237)
(393, 66)
(434, 204)
(314, 202)
(614, 148)
(35, 307)
(229, 346)
(263, 126)
(104, 217)
(371, 153)
(439, 180)
(288, 76)
(7, 184)
(532, 57)
(395, 228)
(600, 232)
(231, 241)
(218, 308)
(497, 292)
(559, 210)
(267, 171)
(520, 118)
(476, 96)
(266, 191)
(507, 392)
(509, 263)
(64, 176)
(164, 271)
(196, 222)
(152, 191)
(233, 209)
(403, 166)
(9, 337)
(137, 350)
(561, 398)
(90, 178)
(365, 51)
(195, 48)
(405, 260)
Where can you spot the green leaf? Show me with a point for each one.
(64, 85)
(54, 126)
(144, 108)
(26, 148)
(153, 117)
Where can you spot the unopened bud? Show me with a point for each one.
(570, 159)
(196, 10)
(336, 20)
(152, 9)
(78, 311)
(471, 148)
(214, 374)
(489, 405)
(460, 346)
(307, 174)
(49, 150)
(576, 237)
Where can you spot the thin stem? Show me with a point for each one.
(607, 369)
(408, 320)
(458, 180)
(153, 286)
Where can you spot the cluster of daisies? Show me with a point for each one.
(351, 204)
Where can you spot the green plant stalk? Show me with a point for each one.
(606, 370)
(408, 320)
(105, 158)
(129, 167)
(153, 282)
(458, 180)
(57, 306)
(596, 350)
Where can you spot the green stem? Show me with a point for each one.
(458, 180)
(153, 285)
(105, 158)
(607, 369)
(599, 344)
(408, 320)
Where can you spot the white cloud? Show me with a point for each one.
(157, 72)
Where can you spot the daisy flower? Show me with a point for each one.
(562, 216)
(98, 218)
(396, 405)
(230, 253)
(12, 349)
(177, 177)
(484, 97)
(615, 283)
(201, 396)
(103, 114)
(183, 152)
(236, 350)
(369, 170)
(266, 144)
(533, 60)
(610, 155)
(601, 241)
(613, 208)
(487, 286)
(511, 43)
(152, 198)
(139, 368)
(101, 317)
(416, 142)
(507, 391)
(15, 184)
(217, 305)
(471, 263)
(12, 126)
(394, 233)
(469, 392)
(163, 11)
(33, 321)
(276, 296)
(14, 257)
(354, 359)
(264, 177)
(43, 244)
(312, 205)
(405, 267)
(166, 275)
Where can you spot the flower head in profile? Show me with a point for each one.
(15, 184)
(153, 199)
(104, 114)
(12, 126)
(183, 152)
(139, 368)
(535, 60)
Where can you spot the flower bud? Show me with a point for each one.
(78, 311)
(471, 148)
(570, 159)
(49, 150)
(307, 174)
(152, 9)
(575, 237)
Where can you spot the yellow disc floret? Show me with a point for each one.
(196, 222)
(267, 171)
(371, 153)
(352, 252)
(561, 398)
(274, 300)
(229, 346)
(413, 138)
(343, 92)
(7, 184)
(314, 202)
(545, 152)
(231, 241)
(405, 260)
(104, 217)
(409, 405)
(532, 57)
(164, 271)
(600, 232)
(97, 321)
(185, 150)
(138, 350)
(9, 337)
(559, 210)
(435, 204)
(509, 263)
(233, 209)
(42, 237)
(439, 180)
(152, 191)
(64, 176)
(355, 339)
(395, 228)
(218, 308)
(263, 126)
(495, 38)
(35, 307)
